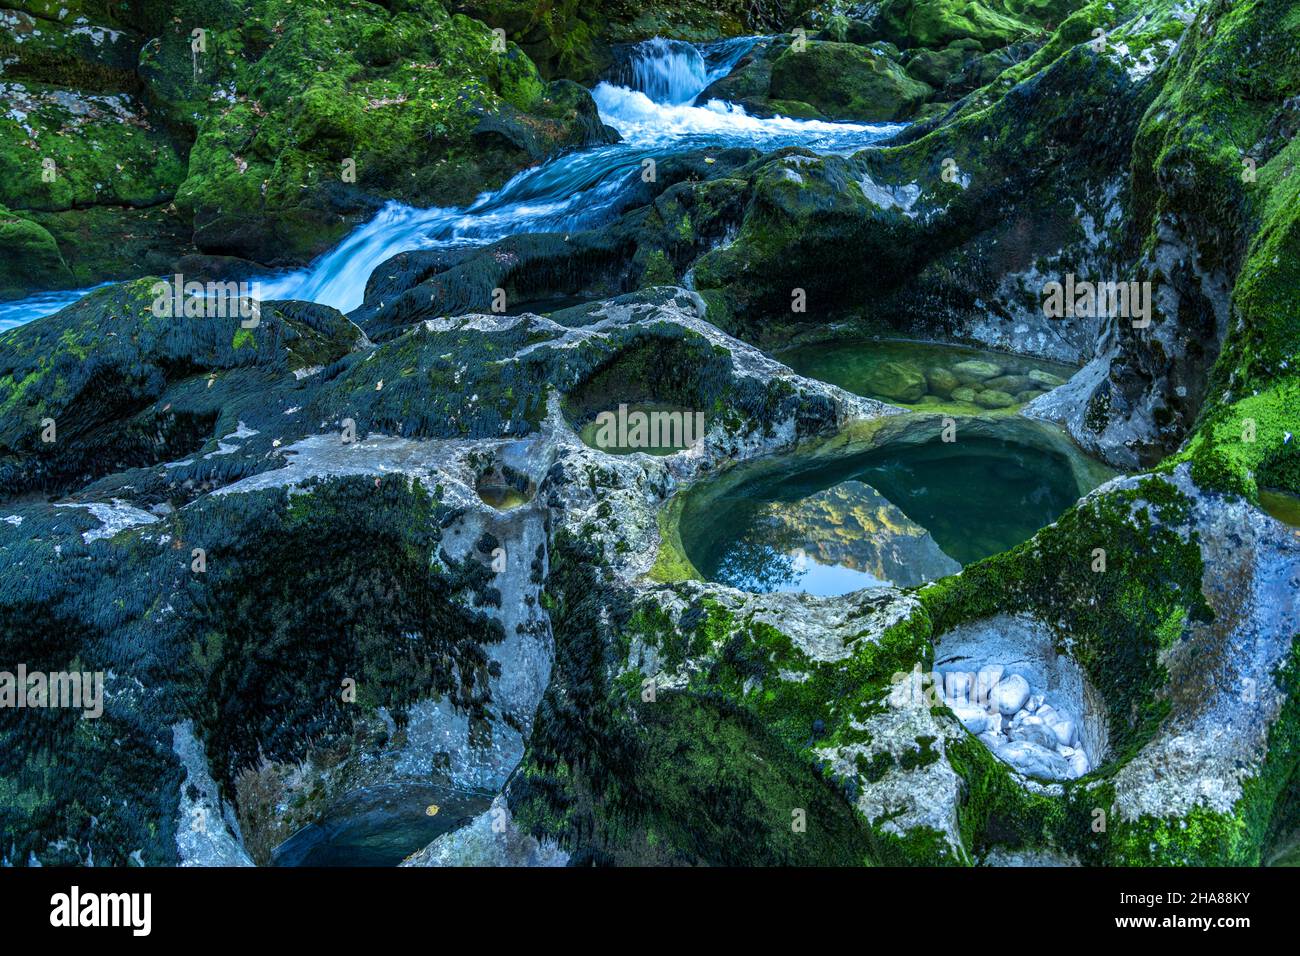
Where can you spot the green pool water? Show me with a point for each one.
(380, 826)
(920, 374)
(1282, 506)
(503, 497)
(902, 514)
(652, 428)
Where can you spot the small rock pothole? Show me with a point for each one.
(503, 488)
(1030, 705)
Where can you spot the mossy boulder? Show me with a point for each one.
(936, 68)
(941, 381)
(92, 389)
(32, 261)
(844, 81)
(993, 23)
(992, 398)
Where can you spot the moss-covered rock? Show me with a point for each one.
(32, 261)
(425, 107)
(993, 23)
(89, 391)
(844, 81)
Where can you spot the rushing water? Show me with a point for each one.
(902, 513)
(657, 115)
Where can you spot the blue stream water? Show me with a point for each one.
(658, 115)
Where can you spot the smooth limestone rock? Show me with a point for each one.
(492, 839)
(1010, 694)
(1032, 729)
(1034, 760)
(976, 719)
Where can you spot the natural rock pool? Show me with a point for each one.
(900, 508)
(921, 374)
(1282, 506)
(380, 826)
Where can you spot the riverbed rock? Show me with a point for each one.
(1010, 383)
(897, 380)
(975, 371)
(941, 381)
(1045, 379)
(1010, 694)
(1064, 729)
(991, 398)
(1034, 760)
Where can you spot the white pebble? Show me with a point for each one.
(1010, 694)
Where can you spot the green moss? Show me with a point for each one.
(671, 563)
(658, 270)
(994, 23)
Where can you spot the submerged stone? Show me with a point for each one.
(973, 371)
(941, 381)
(898, 380)
(991, 398)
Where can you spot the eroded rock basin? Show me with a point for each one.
(1030, 705)
(908, 503)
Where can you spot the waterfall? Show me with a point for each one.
(669, 71)
(674, 72)
(656, 115)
